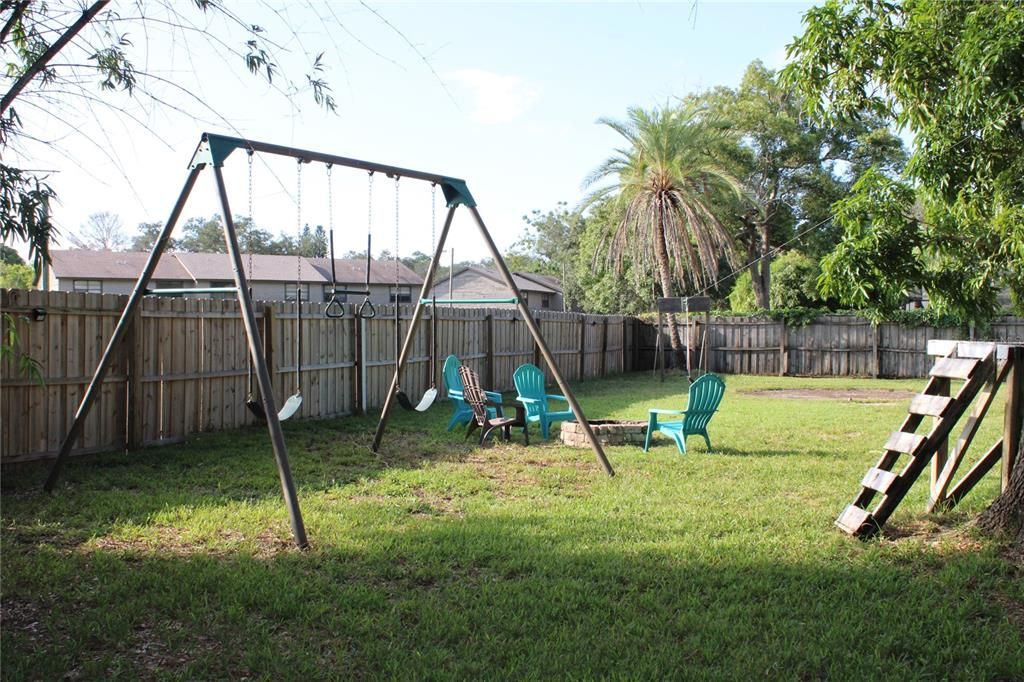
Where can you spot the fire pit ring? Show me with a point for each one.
(607, 432)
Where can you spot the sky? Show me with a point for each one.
(504, 95)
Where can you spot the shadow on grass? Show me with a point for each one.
(498, 596)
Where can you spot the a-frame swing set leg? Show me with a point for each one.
(252, 335)
(531, 324)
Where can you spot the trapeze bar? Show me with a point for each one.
(456, 301)
(361, 292)
(213, 149)
(196, 290)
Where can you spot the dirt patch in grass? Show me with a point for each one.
(868, 396)
(269, 543)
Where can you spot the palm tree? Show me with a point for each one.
(666, 184)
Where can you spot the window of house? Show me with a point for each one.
(545, 301)
(340, 298)
(403, 294)
(289, 292)
(88, 286)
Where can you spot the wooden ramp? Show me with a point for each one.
(981, 367)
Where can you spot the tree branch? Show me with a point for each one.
(87, 16)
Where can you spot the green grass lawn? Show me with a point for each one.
(440, 559)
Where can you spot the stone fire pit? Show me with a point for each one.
(607, 432)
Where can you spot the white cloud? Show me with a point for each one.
(498, 98)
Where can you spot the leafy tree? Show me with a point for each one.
(665, 189)
(15, 276)
(953, 75)
(205, 235)
(312, 243)
(794, 282)
(10, 256)
(145, 240)
(792, 167)
(101, 232)
(597, 285)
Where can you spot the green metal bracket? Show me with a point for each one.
(456, 193)
(213, 149)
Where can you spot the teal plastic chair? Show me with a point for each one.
(705, 396)
(462, 413)
(529, 381)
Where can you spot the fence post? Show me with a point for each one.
(875, 334)
(267, 334)
(622, 350)
(133, 394)
(583, 346)
(537, 357)
(604, 348)
(1014, 419)
(783, 355)
(357, 363)
(489, 359)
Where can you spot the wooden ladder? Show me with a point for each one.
(861, 521)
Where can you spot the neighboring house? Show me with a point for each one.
(272, 278)
(539, 292)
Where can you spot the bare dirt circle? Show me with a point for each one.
(873, 396)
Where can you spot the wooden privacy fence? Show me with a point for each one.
(830, 345)
(183, 365)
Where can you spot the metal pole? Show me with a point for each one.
(541, 345)
(451, 277)
(122, 327)
(389, 399)
(262, 375)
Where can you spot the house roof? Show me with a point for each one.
(353, 271)
(193, 267)
(217, 266)
(85, 264)
(546, 284)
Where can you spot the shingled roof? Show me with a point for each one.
(193, 267)
(85, 264)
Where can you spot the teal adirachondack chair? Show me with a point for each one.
(462, 412)
(529, 381)
(705, 396)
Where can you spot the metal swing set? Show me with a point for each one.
(212, 152)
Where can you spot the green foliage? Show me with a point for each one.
(794, 284)
(10, 256)
(25, 210)
(10, 349)
(145, 240)
(953, 75)
(14, 276)
(792, 168)
(879, 257)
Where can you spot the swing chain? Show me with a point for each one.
(298, 235)
(249, 232)
(366, 310)
(334, 307)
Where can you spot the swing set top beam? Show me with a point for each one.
(214, 149)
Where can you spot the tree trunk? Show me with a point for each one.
(761, 275)
(665, 274)
(1006, 514)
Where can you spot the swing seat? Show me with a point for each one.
(462, 413)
